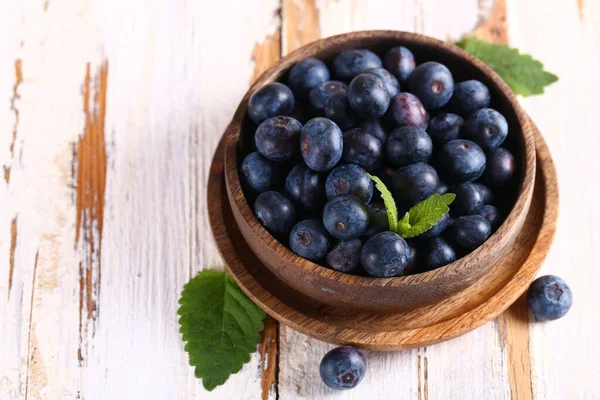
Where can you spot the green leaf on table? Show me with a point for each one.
(524, 74)
(220, 325)
(425, 215)
(388, 201)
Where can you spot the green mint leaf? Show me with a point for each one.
(425, 215)
(220, 325)
(524, 74)
(388, 201)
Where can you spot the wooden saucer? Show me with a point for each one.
(456, 315)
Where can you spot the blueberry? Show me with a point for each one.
(349, 179)
(378, 219)
(445, 127)
(309, 239)
(321, 92)
(278, 138)
(492, 214)
(373, 126)
(469, 96)
(486, 127)
(469, 200)
(345, 255)
(269, 101)
(259, 173)
(406, 110)
(432, 83)
(275, 212)
(345, 217)
(343, 368)
(306, 75)
(306, 187)
(438, 229)
(414, 183)
(400, 61)
(438, 252)
(337, 108)
(486, 193)
(471, 231)
(549, 298)
(390, 82)
(414, 255)
(368, 96)
(500, 168)
(442, 188)
(362, 148)
(461, 161)
(408, 145)
(350, 63)
(385, 255)
(321, 144)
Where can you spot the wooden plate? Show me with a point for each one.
(458, 314)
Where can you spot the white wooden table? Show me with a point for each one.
(109, 114)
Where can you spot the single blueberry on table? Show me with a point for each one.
(400, 61)
(337, 108)
(278, 138)
(350, 63)
(492, 214)
(258, 173)
(378, 219)
(321, 144)
(345, 255)
(269, 101)
(345, 217)
(432, 83)
(390, 81)
(461, 161)
(414, 183)
(486, 193)
(385, 255)
(438, 252)
(368, 96)
(500, 168)
(373, 126)
(469, 232)
(549, 298)
(343, 368)
(320, 93)
(486, 127)
(309, 239)
(306, 75)
(406, 110)
(408, 145)
(469, 96)
(445, 127)
(469, 199)
(362, 148)
(275, 212)
(438, 229)
(306, 187)
(349, 179)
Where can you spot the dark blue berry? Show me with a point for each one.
(309, 239)
(306, 187)
(259, 173)
(400, 61)
(438, 229)
(345, 217)
(438, 252)
(385, 255)
(322, 144)
(461, 161)
(470, 231)
(349, 179)
(469, 96)
(339, 111)
(549, 298)
(406, 110)
(414, 183)
(500, 168)
(343, 368)
(486, 193)
(390, 82)
(368, 96)
(320, 93)
(414, 258)
(408, 145)
(345, 255)
(486, 127)
(432, 83)
(373, 126)
(278, 138)
(469, 199)
(306, 75)
(271, 100)
(442, 188)
(445, 127)
(362, 148)
(378, 219)
(492, 214)
(350, 63)
(275, 212)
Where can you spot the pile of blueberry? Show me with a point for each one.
(318, 135)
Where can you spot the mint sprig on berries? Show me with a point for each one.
(420, 218)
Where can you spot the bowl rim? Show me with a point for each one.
(503, 235)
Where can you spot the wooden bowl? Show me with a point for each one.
(398, 293)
